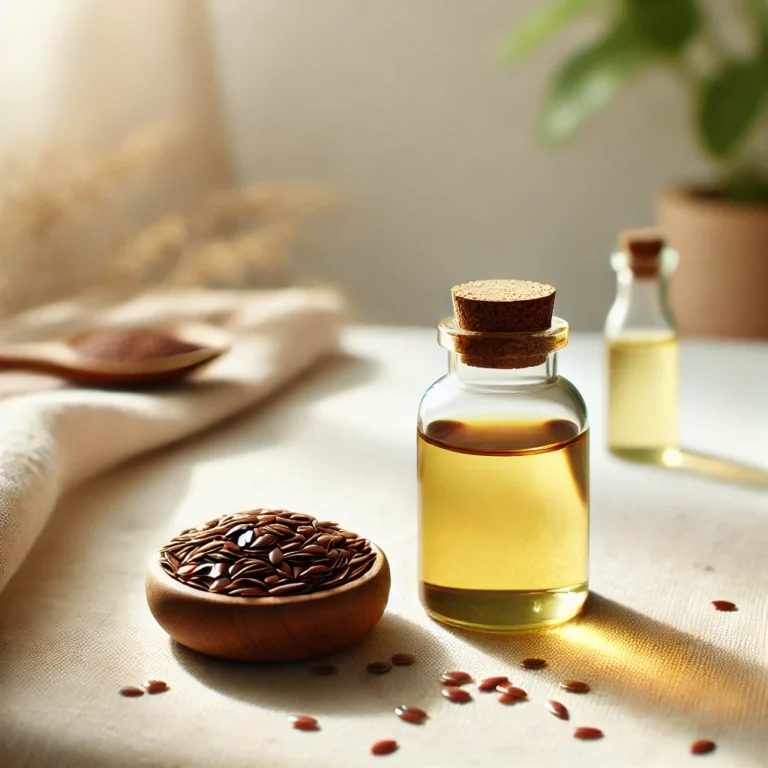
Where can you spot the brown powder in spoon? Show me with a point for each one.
(131, 345)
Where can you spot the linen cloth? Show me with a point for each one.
(664, 666)
(53, 437)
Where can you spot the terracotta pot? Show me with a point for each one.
(721, 285)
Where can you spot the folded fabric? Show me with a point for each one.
(53, 436)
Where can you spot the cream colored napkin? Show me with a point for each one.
(53, 436)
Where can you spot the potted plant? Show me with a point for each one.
(719, 228)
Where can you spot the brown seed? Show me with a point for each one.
(533, 663)
(384, 747)
(272, 579)
(306, 530)
(218, 570)
(303, 722)
(281, 528)
(248, 592)
(490, 683)
(265, 541)
(457, 695)
(324, 669)
(558, 709)
(186, 570)
(508, 698)
(455, 678)
(575, 686)
(588, 733)
(286, 589)
(411, 714)
(403, 659)
(379, 667)
(276, 556)
(724, 605)
(703, 747)
(512, 690)
(316, 570)
(131, 691)
(156, 686)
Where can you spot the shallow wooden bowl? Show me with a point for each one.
(269, 628)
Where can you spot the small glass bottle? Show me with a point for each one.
(642, 350)
(503, 467)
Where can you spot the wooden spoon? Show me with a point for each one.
(127, 357)
(269, 628)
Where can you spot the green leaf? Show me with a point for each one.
(666, 25)
(729, 103)
(542, 25)
(588, 81)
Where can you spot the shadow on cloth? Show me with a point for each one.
(638, 662)
(293, 687)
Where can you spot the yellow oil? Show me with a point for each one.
(643, 380)
(504, 522)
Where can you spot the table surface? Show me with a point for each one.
(665, 667)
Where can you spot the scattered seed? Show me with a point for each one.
(403, 659)
(455, 678)
(457, 695)
(131, 691)
(304, 722)
(533, 663)
(379, 667)
(491, 683)
(512, 690)
(411, 714)
(703, 747)
(156, 686)
(324, 669)
(558, 709)
(588, 733)
(724, 605)
(575, 686)
(384, 747)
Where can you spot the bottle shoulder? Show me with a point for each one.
(558, 399)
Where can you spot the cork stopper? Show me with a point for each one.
(498, 307)
(503, 306)
(644, 248)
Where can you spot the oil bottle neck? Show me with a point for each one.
(640, 303)
(497, 380)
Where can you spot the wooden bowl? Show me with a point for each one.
(269, 628)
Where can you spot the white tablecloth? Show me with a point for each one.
(665, 667)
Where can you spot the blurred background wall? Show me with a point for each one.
(403, 108)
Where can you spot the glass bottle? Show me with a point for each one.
(503, 471)
(642, 350)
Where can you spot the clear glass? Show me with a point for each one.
(643, 363)
(503, 468)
